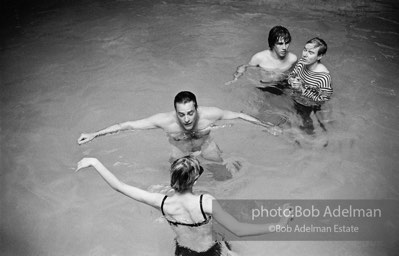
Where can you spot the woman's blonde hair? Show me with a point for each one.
(184, 172)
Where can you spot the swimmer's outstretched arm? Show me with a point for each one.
(254, 62)
(239, 72)
(152, 199)
(219, 114)
(152, 122)
(228, 115)
(212, 207)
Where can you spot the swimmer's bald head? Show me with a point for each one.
(184, 97)
(276, 33)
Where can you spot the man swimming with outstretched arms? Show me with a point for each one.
(188, 127)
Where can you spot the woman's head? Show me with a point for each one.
(184, 172)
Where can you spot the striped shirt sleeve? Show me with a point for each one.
(317, 84)
(320, 87)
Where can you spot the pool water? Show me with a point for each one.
(70, 68)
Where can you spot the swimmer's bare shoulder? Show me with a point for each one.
(321, 68)
(259, 57)
(210, 114)
(161, 120)
(292, 58)
(207, 201)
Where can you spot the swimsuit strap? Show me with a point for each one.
(175, 223)
(202, 210)
(163, 201)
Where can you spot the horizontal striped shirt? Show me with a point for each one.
(317, 84)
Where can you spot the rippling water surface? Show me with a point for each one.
(69, 68)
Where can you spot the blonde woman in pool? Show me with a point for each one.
(189, 215)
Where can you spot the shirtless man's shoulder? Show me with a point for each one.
(210, 113)
(164, 120)
(266, 61)
(291, 58)
(259, 57)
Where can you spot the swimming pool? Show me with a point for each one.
(75, 68)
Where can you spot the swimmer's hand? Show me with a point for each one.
(237, 74)
(287, 215)
(86, 162)
(86, 137)
(231, 81)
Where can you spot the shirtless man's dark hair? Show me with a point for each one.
(185, 97)
(276, 33)
(276, 60)
(188, 127)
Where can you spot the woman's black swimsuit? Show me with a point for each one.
(175, 223)
(215, 250)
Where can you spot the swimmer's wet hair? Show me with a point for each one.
(318, 42)
(276, 33)
(185, 97)
(184, 172)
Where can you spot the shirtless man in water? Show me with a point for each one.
(188, 127)
(276, 60)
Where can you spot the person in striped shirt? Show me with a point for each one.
(311, 83)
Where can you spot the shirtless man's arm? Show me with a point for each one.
(254, 62)
(215, 114)
(266, 61)
(160, 120)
